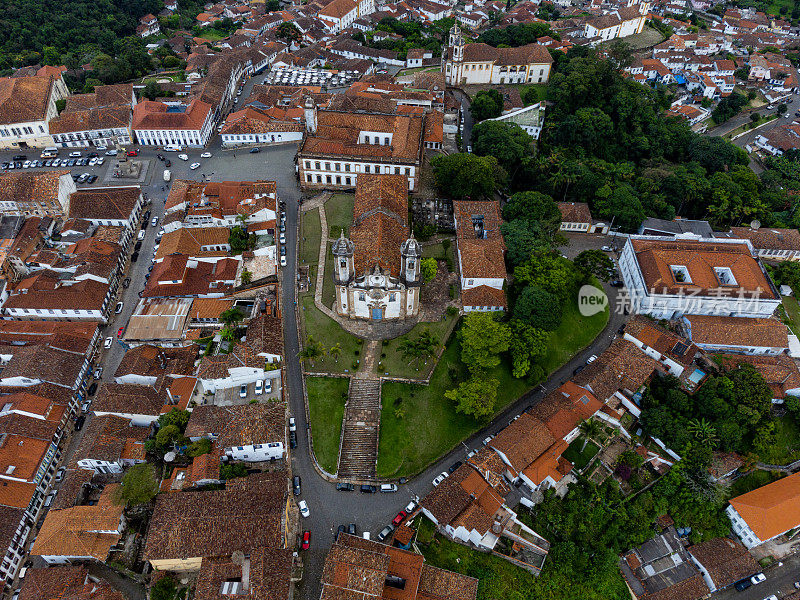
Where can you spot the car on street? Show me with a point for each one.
(108, 342)
(292, 424)
(111, 153)
(304, 509)
(306, 540)
(75, 154)
(92, 162)
(126, 282)
(758, 578)
(410, 507)
(296, 485)
(345, 487)
(399, 518)
(205, 155)
(60, 473)
(339, 531)
(606, 249)
(351, 529)
(255, 150)
(388, 488)
(134, 257)
(243, 391)
(168, 163)
(283, 238)
(283, 260)
(617, 283)
(578, 369)
(118, 308)
(92, 389)
(440, 478)
(455, 465)
(132, 153)
(591, 359)
(120, 331)
(259, 387)
(98, 372)
(194, 166)
(183, 156)
(385, 532)
(487, 439)
(154, 222)
(292, 440)
(368, 489)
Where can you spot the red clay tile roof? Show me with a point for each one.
(67, 583)
(769, 238)
(771, 509)
(149, 115)
(483, 295)
(24, 99)
(575, 212)
(727, 561)
(732, 331)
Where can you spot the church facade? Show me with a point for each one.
(376, 269)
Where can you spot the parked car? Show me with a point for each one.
(154, 222)
(292, 440)
(385, 532)
(194, 166)
(617, 283)
(607, 249)
(119, 308)
(306, 540)
(296, 485)
(92, 389)
(388, 488)
(126, 282)
(168, 163)
(60, 473)
(454, 466)
(98, 372)
(132, 153)
(345, 487)
(399, 518)
(75, 154)
(340, 530)
(283, 260)
(108, 342)
(591, 359)
(183, 156)
(304, 509)
(268, 386)
(578, 369)
(742, 584)
(410, 507)
(255, 150)
(487, 439)
(134, 257)
(292, 424)
(440, 478)
(243, 391)
(368, 489)
(120, 331)
(259, 387)
(205, 155)
(758, 578)
(111, 153)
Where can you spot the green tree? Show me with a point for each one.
(526, 345)
(419, 348)
(51, 56)
(312, 350)
(475, 397)
(179, 418)
(703, 431)
(231, 317)
(247, 277)
(538, 308)
(487, 104)
(507, 142)
(335, 351)
(536, 209)
(589, 428)
(428, 267)
(139, 485)
(595, 262)
(167, 436)
(483, 339)
(782, 108)
(238, 240)
(198, 448)
(232, 471)
(463, 175)
(550, 272)
(166, 588)
(288, 31)
(523, 238)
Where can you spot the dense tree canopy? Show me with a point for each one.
(464, 175)
(507, 142)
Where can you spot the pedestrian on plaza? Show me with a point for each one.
(234, 155)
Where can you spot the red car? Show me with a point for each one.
(306, 540)
(399, 518)
(119, 331)
(132, 153)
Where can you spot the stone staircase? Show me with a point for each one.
(358, 450)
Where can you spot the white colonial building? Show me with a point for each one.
(173, 124)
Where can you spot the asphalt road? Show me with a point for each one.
(780, 582)
(329, 508)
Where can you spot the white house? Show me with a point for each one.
(27, 104)
(162, 124)
(670, 277)
(766, 512)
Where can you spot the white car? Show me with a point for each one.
(283, 238)
(292, 424)
(591, 359)
(111, 153)
(100, 160)
(440, 478)
(118, 309)
(75, 154)
(304, 509)
(92, 162)
(194, 166)
(108, 342)
(205, 155)
(283, 261)
(183, 156)
(606, 249)
(758, 578)
(259, 386)
(410, 507)
(487, 439)
(154, 222)
(56, 162)
(26, 164)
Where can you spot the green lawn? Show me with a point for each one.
(309, 238)
(786, 448)
(324, 329)
(339, 213)
(418, 424)
(397, 365)
(326, 399)
(438, 252)
(573, 335)
(792, 309)
(498, 579)
(752, 481)
(580, 459)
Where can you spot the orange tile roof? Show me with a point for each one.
(16, 493)
(771, 509)
(523, 441)
(20, 456)
(549, 464)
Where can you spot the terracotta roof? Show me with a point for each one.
(31, 186)
(153, 361)
(24, 99)
(733, 331)
(727, 561)
(574, 212)
(110, 438)
(563, 409)
(265, 334)
(663, 341)
(91, 120)
(76, 531)
(72, 488)
(194, 241)
(523, 441)
(769, 238)
(209, 308)
(16, 494)
(247, 514)
(622, 366)
(380, 222)
(46, 364)
(65, 582)
(122, 398)
(771, 509)
(338, 9)
(104, 203)
(483, 295)
(656, 257)
(269, 575)
(149, 115)
(522, 55)
(780, 372)
(239, 425)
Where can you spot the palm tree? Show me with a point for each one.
(703, 431)
(589, 428)
(312, 350)
(335, 351)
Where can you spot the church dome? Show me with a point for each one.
(343, 246)
(411, 247)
